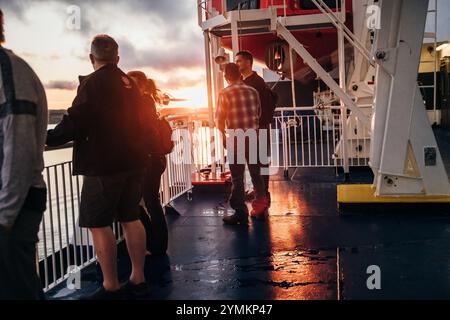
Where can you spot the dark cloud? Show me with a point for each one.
(61, 85)
(187, 55)
(19, 7)
(177, 19)
(16, 7)
(165, 9)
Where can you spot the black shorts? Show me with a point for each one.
(110, 198)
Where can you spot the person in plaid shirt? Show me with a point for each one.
(239, 108)
(269, 99)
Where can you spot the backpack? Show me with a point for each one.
(165, 132)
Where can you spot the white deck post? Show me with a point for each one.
(343, 85)
(210, 102)
(234, 34)
(405, 156)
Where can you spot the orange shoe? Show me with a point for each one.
(260, 208)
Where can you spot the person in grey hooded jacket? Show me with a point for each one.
(23, 125)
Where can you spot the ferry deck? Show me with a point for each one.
(305, 250)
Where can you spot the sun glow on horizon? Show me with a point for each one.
(195, 97)
(167, 53)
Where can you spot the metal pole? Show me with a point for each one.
(224, 7)
(210, 101)
(294, 98)
(209, 6)
(318, 69)
(199, 12)
(435, 61)
(342, 84)
(218, 86)
(234, 35)
(347, 32)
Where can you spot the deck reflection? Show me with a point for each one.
(293, 255)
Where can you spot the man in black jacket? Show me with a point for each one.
(106, 123)
(268, 97)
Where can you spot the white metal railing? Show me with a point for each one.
(433, 36)
(64, 248)
(306, 140)
(201, 148)
(311, 137)
(177, 179)
(300, 137)
(59, 235)
(205, 9)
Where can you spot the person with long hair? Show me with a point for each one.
(153, 91)
(156, 226)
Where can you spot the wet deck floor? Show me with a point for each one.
(305, 250)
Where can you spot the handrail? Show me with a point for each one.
(202, 7)
(349, 35)
(318, 69)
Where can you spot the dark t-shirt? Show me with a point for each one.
(268, 99)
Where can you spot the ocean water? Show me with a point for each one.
(58, 156)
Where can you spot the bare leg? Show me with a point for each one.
(106, 249)
(136, 243)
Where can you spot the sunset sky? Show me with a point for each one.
(159, 37)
